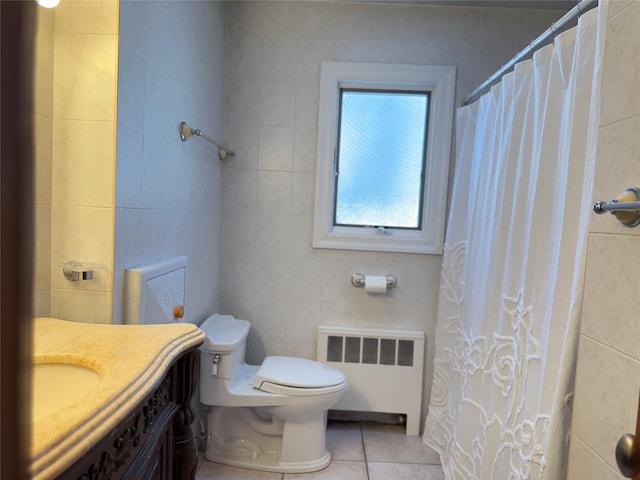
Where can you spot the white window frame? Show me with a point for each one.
(440, 81)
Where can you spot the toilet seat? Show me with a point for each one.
(269, 387)
(297, 377)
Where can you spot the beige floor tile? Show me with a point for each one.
(389, 452)
(388, 443)
(404, 471)
(211, 470)
(344, 441)
(337, 470)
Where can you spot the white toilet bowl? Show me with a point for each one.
(270, 417)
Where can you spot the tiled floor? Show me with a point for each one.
(360, 451)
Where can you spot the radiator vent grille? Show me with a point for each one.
(384, 367)
(372, 351)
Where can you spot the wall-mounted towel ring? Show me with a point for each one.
(625, 207)
(186, 132)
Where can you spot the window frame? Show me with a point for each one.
(439, 81)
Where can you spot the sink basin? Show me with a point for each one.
(55, 386)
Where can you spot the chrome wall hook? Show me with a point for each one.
(76, 271)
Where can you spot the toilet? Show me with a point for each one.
(269, 417)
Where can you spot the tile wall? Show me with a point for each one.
(269, 274)
(43, 124)
(163, 199)
(75, 149)
(608, 372)
(168, 193)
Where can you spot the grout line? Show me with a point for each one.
(364, 451)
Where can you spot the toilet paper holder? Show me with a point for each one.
(357, 280)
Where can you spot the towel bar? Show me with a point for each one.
(625, 207)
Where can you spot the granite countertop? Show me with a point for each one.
(131, 359)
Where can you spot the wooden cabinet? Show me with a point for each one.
(156, 440)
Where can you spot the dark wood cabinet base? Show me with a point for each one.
(156, 440)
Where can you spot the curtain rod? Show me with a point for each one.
(562, 24)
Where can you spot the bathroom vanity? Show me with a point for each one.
(135, 422)
(155, 441)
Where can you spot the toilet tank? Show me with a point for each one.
(225, 337)
(224, 333)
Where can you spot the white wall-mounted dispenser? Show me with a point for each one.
(155, 293)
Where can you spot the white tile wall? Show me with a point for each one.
(84, 68)
(43, 88)
(621, 67)
(610, 317)
(83, 156)
(606, 394)
(608, 371)
(43, 125)
(82, 17)
(271, 275)
(583, 464)
(84, 153)
(169, 192)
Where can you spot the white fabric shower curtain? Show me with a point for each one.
(512, 273)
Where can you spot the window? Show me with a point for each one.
(384, 141)
(380, 158)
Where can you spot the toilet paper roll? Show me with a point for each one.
(375, 284)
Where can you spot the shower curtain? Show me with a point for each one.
(512, 274)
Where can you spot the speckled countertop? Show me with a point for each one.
(131, 359)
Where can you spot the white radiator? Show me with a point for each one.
(384, 369)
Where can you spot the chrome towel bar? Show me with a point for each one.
(186, 132)
(625, 207)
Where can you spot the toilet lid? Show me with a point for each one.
(296, 373)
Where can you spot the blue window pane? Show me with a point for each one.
(381, 158)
